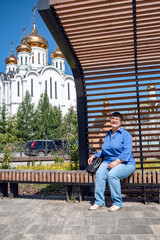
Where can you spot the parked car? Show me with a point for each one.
(45, 147)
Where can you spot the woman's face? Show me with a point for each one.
(115, 122)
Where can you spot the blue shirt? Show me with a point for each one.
(119, 146)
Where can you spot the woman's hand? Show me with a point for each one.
(114, 163)
(91, 159)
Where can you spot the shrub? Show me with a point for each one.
(7, 157)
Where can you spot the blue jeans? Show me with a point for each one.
(113, 177)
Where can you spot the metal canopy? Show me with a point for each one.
(112, 48)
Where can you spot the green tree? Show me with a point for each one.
(25, 117)
(48, 120)
(11, 130)
(70, 125)
(70, 131)
(3, 118)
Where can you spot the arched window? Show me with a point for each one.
(32, 57)
(60, 65)
(46, 86)
(21, 61)
(68, 91)
(56, 64)
(43, 58)
(38, 58)
(50, 87)
(26, 60)
(55, 90)
(18, 89)
(31, 87)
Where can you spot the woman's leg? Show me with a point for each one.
(100, 184)
(115, 174)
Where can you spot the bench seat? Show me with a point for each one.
(70, 178)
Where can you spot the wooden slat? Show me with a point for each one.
(144, 177)
(158, 176)
(154, 177)
(140, 176)
(149, 177)
(135, 177)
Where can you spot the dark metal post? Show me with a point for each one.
(137, 86)
(46, 148)
(21, 148)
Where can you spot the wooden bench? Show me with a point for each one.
(70, 178)
(31, 159)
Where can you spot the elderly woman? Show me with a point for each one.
(118, 163)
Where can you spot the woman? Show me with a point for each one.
(118, 163)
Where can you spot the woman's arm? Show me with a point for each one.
(114, 163)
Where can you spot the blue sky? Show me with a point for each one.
(14, 15)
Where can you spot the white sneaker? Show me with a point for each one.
(114, 208)
(95, 207)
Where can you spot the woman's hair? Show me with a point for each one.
(117, 114)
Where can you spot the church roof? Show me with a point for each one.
(6, 75)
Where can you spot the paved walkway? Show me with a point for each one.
(58, 220)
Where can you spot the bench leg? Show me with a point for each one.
(81, 193)
(69, 192)
(13, 190)
(3, 189)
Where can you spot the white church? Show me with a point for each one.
(30, 71)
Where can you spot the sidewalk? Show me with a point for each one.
(39, 219)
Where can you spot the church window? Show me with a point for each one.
(32, 57)
(31, 87)
(21, 60)
(50, 87)
(60, 65)
(26, 60)
(69, 92)
(55, 90)
(46, 86)
(18, 88)
(56, 64)
(38, 58)
(43, 58)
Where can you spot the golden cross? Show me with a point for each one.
(24, 32)
(12, 47)
(34, 12)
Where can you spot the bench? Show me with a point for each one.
(70, 178)
(31, 159)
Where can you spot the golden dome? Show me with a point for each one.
(11, 59)
(105, 102)
(57, 53)
(23, 47)
(34, 39)
(151, 87)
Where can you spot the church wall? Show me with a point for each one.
(54, 88)
(40, 58)
(69, 94)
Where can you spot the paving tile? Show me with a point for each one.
(139, 229)
(36, 219)
(133, 221)
(156, 229)
(145, 237)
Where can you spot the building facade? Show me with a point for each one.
(30, 71)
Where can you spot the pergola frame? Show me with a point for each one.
(58, 16)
